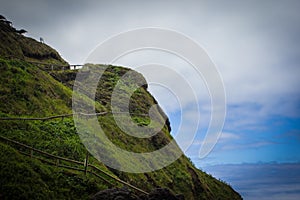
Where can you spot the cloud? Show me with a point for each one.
(290, 135)
(224, 138)
(253, 43)
(229, 136)
(261, 181)
(252, 145)
(255, 49)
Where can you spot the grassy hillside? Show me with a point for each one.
(14, 44)
(28, 91)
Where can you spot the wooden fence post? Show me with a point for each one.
(86, 160)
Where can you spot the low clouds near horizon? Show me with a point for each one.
(261, 181)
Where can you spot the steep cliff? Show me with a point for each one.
(30, 91)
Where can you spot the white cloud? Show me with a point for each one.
(229, 136)
(247, 146)
(225, 137)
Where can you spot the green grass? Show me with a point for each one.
(25, 178)
(18, 46)
(177, 176)
(28, 91)
(59, 137)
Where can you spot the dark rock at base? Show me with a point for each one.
(126, 194)
(163, 194)
(115, 194)
(180, 196)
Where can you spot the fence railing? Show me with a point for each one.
(68, 115)
(52, 117)
(48, 66)
(55, 67)
(59, 162)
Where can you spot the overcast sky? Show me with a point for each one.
(254, 44)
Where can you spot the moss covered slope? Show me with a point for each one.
(29, 91)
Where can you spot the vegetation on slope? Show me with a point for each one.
(25, 178)
(27, 90)
(14, 44)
